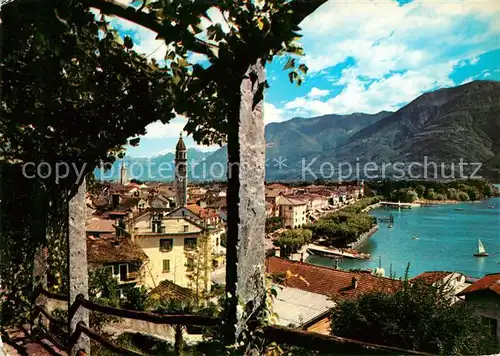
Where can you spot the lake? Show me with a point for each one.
(447, 239)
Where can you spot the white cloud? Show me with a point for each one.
(474, 60)
(272, 113)
(318, 93)
(159, 130)
(384, 36)
(467, 80)
(359, 95)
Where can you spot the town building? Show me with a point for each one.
(97, 227)
(452, 282)
(122, 258)
(301, 309)
(336, 285)
(483, 296)
(293, 211)
(169, 242)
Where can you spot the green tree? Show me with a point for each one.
(136, 298)
(291, 241)
(417, 317)
(405, 195)
(420, 189)
(274, 223)
(103, 289)
(199, 265)
(463, 196)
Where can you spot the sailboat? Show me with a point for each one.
(481, 252)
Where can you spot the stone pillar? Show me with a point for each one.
(77, 264)
(245, 270)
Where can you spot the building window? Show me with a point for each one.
(190, 264)
(186, 228)
(123, 273)
(217, 241)
(166, 266)
(190, 243)
(166, 245)
(290, 208)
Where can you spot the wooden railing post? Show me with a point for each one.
(78, 273)
(245, 290)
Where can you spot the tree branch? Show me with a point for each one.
(302, 9)
(114, 8)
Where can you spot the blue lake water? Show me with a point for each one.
(447, 239)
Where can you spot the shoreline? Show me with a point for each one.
(363, 238)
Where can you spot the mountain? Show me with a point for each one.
(291, 140)
(441, 127)
(158, 168)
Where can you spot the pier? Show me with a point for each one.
(336, 252)
(399, 205)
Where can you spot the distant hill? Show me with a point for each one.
(299, 137)
(158, 168)
(442, 127)
(445, 126)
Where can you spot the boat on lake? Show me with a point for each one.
(389, 226)
(459, 209)
(491, 207)
(481, 251)
(415, 238)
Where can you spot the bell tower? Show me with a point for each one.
(123, 174)
(180, 173)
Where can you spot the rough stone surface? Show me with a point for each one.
(246, 206)
(40, 279)
(78, 273)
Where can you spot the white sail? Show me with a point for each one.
(480, 247)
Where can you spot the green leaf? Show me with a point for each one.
(134, 142)
(128, 42)
(289, 64)
(170, 55)
(303, 68)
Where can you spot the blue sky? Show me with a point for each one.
(363, 56)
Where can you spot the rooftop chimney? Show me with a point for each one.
(354, 283)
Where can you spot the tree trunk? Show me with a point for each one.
(246, 206)
(40, 280)
(179, 340)
(78, 273)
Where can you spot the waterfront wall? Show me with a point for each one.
(371, 207)
(362, 239)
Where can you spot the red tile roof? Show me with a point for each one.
(99, 225)
(169, 290)
(329, 281)
(490, 282)
(431, 277)
(113, 250)
(201, 212)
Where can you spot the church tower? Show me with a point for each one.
(123, 174)
(180, 173)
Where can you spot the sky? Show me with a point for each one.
(363, 56)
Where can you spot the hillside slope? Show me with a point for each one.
(445, 126)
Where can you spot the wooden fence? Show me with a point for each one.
(281, 335)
